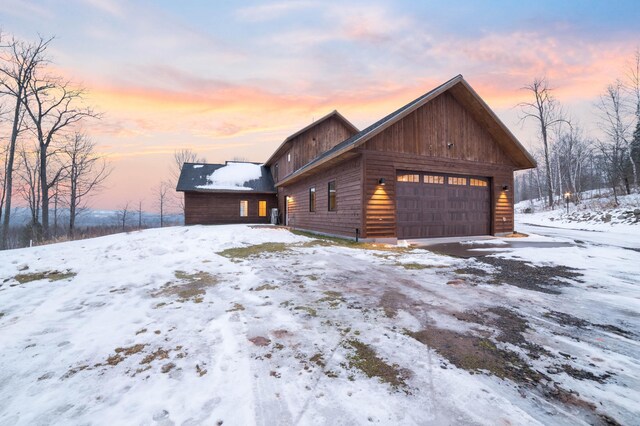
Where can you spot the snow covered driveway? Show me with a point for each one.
(625, 237)
(237, 325)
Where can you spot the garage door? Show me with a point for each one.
(438, 205)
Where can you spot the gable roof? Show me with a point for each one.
(289, 138)
(194, 177)
(463, 92)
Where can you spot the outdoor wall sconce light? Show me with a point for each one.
(381, 181)
(450, 145)
(505, 188)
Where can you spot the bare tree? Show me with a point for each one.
(616, 130)
(121, 215)
(162, 199)
(29, 188)
(179, 158)
(633, 88)
(139, 211)
(53, 107)
(572, 152)
(547, 113)
(86, 173)
(19, 62)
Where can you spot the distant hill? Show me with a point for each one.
(20, 216)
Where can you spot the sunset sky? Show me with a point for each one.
(232, 79)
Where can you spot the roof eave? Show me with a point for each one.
(529, 162)
(225, 191)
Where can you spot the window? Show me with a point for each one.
(289, 157)
(332, 196)
(244, 208)
(478, 182)
(312, 199)
(409, 178)
(262, 208)
(439, 180)
(457, 180)
(275, 172)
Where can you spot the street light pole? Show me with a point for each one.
(567, 196)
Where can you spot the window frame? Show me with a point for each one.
(478, 182)
(437, 179)
(246, 211)
(408, 177)
(457, 181)
(275, 172)
(332, 194)
(312, 199)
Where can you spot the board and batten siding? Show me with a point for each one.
(348, 214)
(208, 208)
(421, 141)
(310, 144)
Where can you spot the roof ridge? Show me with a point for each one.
(353, 139)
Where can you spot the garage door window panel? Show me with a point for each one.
(413, 178)
(434, 179)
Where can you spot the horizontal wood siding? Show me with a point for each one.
(420, 142)
(503, 203)
(380, 210)
(348, 214)
(224, 208)
(310, 144)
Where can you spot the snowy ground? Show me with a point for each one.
(242, 325)
(593, 214)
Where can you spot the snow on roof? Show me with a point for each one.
(233, 176)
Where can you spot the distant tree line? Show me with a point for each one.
(570, 161)
(46, 159)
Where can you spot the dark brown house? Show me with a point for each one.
(441, 165)
(234, 192)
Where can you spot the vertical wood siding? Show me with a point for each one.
(310, 144)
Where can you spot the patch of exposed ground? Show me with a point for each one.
(510, 327)
(566, 319)
(414, 266)
(545, 279)
(45, 275)
(392, 301)
(264, 287)
(310, 311)
(122, 353)
(477, 354)
(365, 359)
(580, 374)
(333, 298)
(260, 341)
(157, 355)
(254, 250)
(236, 307)
(187, 286)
